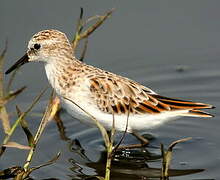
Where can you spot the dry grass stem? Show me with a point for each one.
(79, 35)
(11, 96)
(16, 145)
(84, 50)
(3, 112)
(124, 133)
(167, 157)
(25, 128)
(2, 57)
(26, 173)
(17, 122)
(99, 22)
(110, 149)
(48, 116)
(11, 79)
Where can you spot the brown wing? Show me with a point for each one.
(112, 93)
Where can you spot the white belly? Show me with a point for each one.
(135, 122)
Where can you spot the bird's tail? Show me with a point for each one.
(193, 108)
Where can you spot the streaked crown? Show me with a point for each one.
(48, 44)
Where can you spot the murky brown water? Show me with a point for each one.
(146, 41)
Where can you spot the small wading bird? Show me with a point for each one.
(102, 93)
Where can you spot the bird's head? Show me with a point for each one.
(46, 46)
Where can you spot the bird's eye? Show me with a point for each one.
(37, 46)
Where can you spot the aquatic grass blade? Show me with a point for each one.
(13, 144)
(100, 21)
(3, 112)
(11, 96)
(167, 156)
(53, 160)
(25, 128)
(17, 122)
(49, 114)
(79, 35)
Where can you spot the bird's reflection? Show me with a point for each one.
(127, 164)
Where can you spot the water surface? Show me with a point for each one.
(172, 48)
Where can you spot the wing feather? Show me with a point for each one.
(116, 94)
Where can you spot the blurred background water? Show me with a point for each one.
(172, 47)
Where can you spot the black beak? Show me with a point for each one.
(18, 64)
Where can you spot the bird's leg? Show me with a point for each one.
(60, 125)
(130, 146)
(143, 143)
(142, 139)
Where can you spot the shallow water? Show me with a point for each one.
(172, 48)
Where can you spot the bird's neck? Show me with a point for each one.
(60, 72)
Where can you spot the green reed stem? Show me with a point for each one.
(48, 115)
(109, 160)
(17, 122)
